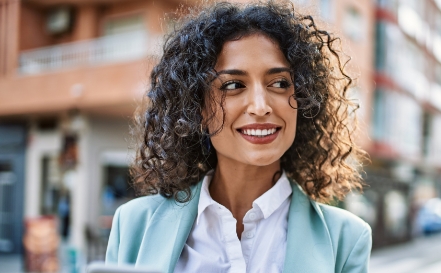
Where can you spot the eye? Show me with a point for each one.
(232, 85)
(281, 84)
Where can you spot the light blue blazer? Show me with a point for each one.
(151, 232)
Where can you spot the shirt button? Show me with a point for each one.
(249, 234)
(252, 216)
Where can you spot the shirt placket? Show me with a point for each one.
(249, 232)
(232, 244)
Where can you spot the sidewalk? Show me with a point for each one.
(11, 264)
(422, 255)
(14, 263)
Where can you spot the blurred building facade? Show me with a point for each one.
(71, 75)
(73, 71)
(406, 127)
(396, 48)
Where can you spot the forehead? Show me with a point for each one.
(251, 51)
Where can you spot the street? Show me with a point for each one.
(422, 255)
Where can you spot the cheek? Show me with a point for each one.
(219, 142)
(291, 124)
(225, 115)
(222, 127)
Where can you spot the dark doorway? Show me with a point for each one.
(12, 147)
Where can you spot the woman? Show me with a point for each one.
(246, 130)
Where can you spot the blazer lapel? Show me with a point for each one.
(309, 246)
(167, 232)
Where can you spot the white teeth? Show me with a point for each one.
(259, 132)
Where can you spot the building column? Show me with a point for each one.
(80, 184)
(9, 33)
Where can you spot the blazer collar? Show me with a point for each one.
(167, 232)
(189, 213)
(309, 246)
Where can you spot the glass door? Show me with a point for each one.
(7, 181)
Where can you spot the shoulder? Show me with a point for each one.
(139, 208)
(351, 238)
(344, 227)
(133, 218)
(341, 219)
(129, 223)
(338, 221)
(142, 209)
(145, 222)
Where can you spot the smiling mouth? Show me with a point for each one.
(258, 132)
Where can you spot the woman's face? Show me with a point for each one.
(259, 123)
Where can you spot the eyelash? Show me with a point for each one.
(224, 85)
(284, 84)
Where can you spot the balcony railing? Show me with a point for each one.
(109, 49)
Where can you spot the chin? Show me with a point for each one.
(263, 161)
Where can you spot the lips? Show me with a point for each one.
(259, 133)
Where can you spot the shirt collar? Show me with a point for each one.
(272, 199)
(205, 199)
(268, 202)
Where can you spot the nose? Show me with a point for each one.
(258, 102)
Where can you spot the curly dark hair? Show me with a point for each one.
(323, 159)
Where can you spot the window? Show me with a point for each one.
(434, 149)
(390, 5)
(380, 46)
(396, 213)
(363, 205)
(438, 74)
(7, 182)
(51, 185)
(124, 24)
(59, 20)
(353, 25)
(416, 5)
(427, 122)
(326, 10)
(409, 21)
(398, 122)
(379, 114)
(438, 3)
(117, 189)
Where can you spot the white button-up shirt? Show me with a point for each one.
(213, 245)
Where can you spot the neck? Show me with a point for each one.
(237, 185)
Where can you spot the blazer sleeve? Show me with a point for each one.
(358, 259)
(113, 244)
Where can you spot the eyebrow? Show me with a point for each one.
(278, 70)
(232, 72)
(239, 72)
